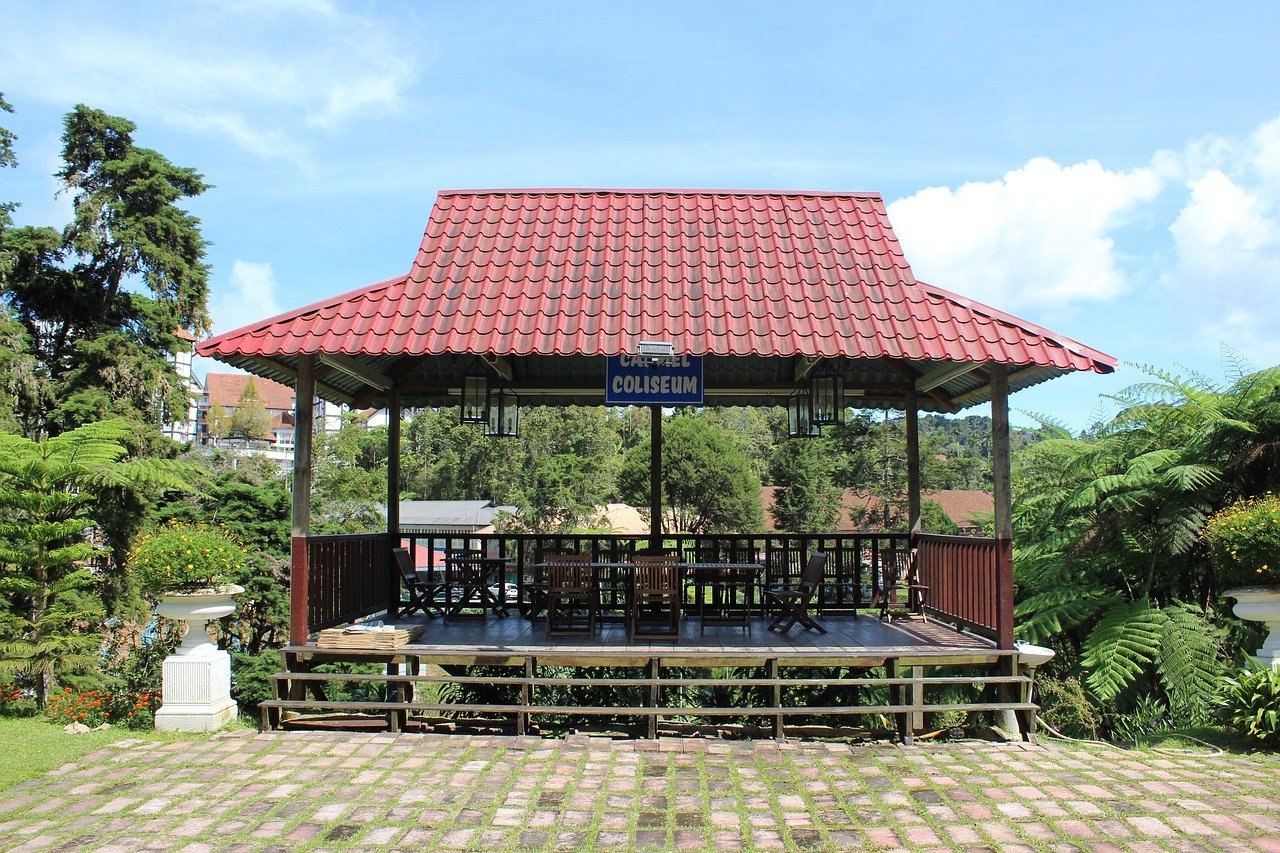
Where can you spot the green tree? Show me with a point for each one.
(567, 458)
(101, 299)
(250, 419)
(707, 483)
(1109, 565)
(48, 493)
(349, 487)
(806, 500)
(218, 422)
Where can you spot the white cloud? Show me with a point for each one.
(1039, 237)
(249, 296)
(1226, 275)
(261, 75)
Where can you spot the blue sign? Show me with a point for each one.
(666, 381)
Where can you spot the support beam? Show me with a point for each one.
(268, 366)
(913, 463)
(655, 477)
(300, 521)
(348, 365)
(943, 375)
(1002, 481)
(393, 469)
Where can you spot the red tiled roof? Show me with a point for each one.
(716, 272)
(225, 389)
(859, 510)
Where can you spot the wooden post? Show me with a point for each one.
(913, 463)
(393, 467)
(1000, 471)
(655, 477)
(300, 522)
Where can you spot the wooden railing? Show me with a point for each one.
(964, 584)
(353, 576)
(349, 577)
(852, 558)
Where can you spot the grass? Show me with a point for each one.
(33, 747)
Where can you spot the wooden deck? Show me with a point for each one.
(901, 670)
(865, 641)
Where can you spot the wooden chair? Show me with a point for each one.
(464, 587)
(653, 608)
(897, 572)
(572, 599)
(421, 594)
(794, 601)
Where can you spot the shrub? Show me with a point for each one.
(185, 558)
(1244, 542)
(89, 707)
(1251, 702)
(16, 702)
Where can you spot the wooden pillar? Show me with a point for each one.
(393, 467)
(913, 463)
(1000, 471)
(655, 477)
(300, 521)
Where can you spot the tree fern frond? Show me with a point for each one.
(1124, 641)
(1049, 614)
(1189, 663)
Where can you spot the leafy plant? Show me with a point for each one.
(89, 708)
(1250, 701)
(185, 558)
(50, 609)
(1244, 542)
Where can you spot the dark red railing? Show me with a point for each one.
(964, 583)
(349, 576)
(852, 558)
(353, 576)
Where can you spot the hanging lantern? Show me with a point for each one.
(504, 413)
(799, 423)
(826, 400)
(475, 394)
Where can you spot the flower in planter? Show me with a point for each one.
(185, 558)
(1243, 541)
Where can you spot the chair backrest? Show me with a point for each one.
(570, 575)
(893, 567)
(405, 564)
(468, 570)
(655, 573)
(811, 577)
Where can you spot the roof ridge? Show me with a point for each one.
(659, 191)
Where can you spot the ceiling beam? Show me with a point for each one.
(348, 365)
(500, 366)
(944, 374)
(324, 390)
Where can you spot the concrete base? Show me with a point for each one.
(196, 693)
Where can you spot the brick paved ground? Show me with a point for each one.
(321, 791)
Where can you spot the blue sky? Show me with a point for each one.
(1110, 171)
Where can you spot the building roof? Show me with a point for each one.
(858, 510)
(737, 276)
(449, 515)
(225, 389)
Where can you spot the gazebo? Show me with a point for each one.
(559, 297)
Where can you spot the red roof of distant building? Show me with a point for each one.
(592, 272)
(225, 389)
(860, 511)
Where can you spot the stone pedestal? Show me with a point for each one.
(1261, 604)
(196, 686)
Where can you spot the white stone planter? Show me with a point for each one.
(196, 687)
(1260, 604)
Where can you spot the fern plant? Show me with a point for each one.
(47, 584)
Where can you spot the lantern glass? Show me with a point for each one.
(799, 422)
(504, 414)
(827, 396)
(475, 397)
